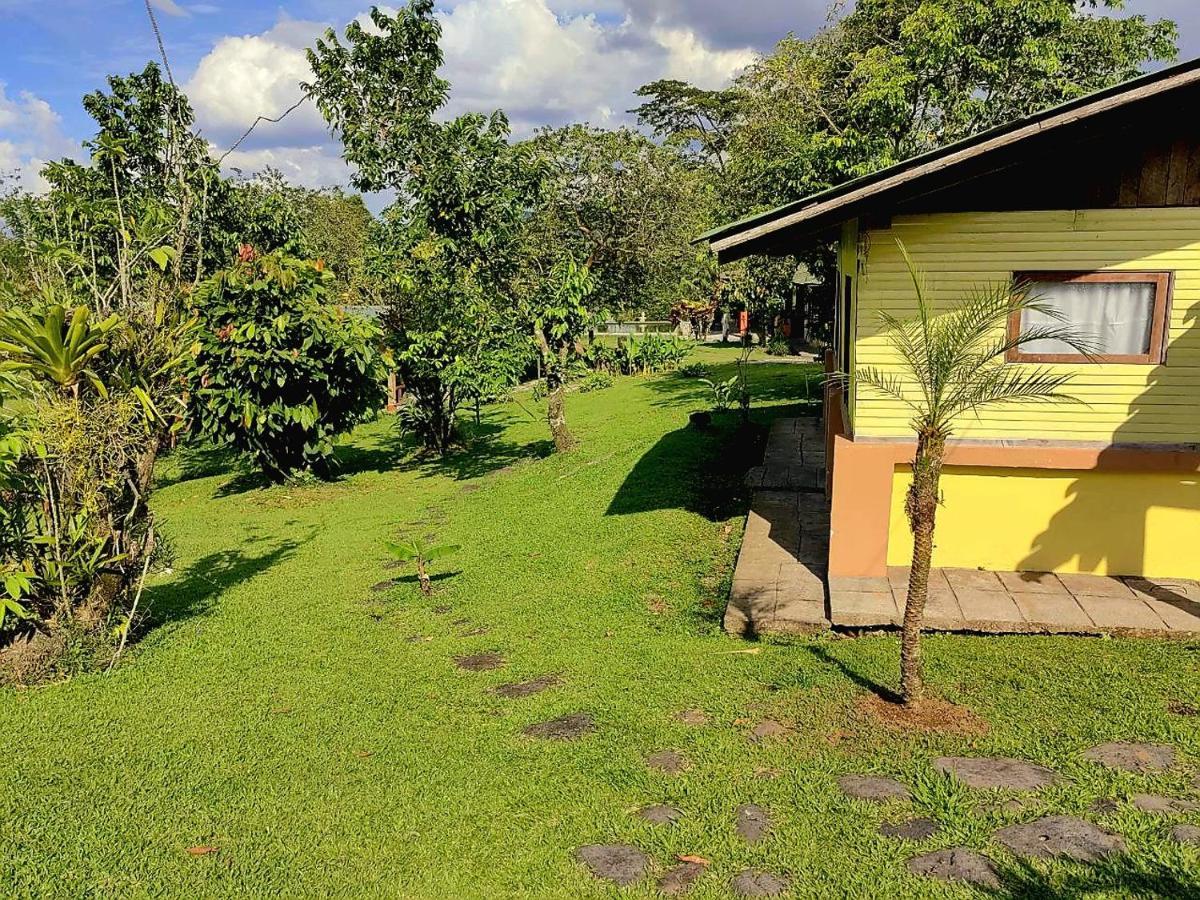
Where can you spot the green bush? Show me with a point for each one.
(652, 353)
(694, 370)
(779, 346)
(596, 381)
(279, 371)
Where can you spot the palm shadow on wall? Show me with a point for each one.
(1072, 538)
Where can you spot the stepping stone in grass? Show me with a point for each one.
(521, 689)
(1060, 836)
(753, 883)
(1133, 757)
(659, 814)
(459, 623)
(680, 879)
(619, 863)
(875, 788)
(956, 864)
(392, 565)
(381, 587)
(477, 632)
(667, 761)
(695, 718)
(918, 829)
(997, 809)
(1162, 806)
(1186, 834)
(479, 662)
(442, 608)
(753, 823)
(1012, 774)
(1104, 806)
(566, 728)
(766, 729)
(417, 639)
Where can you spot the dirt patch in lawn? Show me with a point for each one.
(927, 715)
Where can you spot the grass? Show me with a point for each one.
(278, 712)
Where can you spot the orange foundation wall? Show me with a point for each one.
(864, 474)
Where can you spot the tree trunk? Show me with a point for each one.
(921, 506)
(423, 577)
(556, 414)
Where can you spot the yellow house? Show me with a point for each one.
(1097, 202)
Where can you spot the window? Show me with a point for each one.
(1124, 314)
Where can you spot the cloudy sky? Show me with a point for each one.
(542, 61)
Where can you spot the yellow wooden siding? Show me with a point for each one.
(961, 252)
(1040, 520)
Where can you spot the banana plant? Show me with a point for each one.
(53, 347)
(421, 554)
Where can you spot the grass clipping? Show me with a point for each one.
(931, 714)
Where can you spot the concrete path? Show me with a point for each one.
(779, 583)
(1024, 603)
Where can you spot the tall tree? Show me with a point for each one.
(445, 257)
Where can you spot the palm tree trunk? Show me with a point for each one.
(921, 507)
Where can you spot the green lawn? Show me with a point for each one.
(278, 710)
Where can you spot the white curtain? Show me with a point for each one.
(1115, 316)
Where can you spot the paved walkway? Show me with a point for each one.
(780, 583)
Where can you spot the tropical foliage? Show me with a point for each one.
(279, 371)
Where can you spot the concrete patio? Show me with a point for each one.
(781, 584)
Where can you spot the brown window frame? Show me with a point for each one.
(1164, 283)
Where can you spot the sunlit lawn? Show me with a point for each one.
(281, 712)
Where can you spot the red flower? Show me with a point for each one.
(246, 253)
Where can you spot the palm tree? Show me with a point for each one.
(951, 365)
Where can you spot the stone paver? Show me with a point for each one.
(522, 689)
(1121, 614)
(917, 829)
(876, 788)
(1133, 757)
(767, 729)
(1053, 612)
(669, 762)
(1095, 585)
(1032, 583)
(956, 864)
(680, 879)
(621, 864)
(1186, 834)
(752, 883)
(991, 611)
(1000, 772)
(659, 814)
(863, 608)
(974, 580)
(1060, 836)
(565, 728)
(1162, 806)
(479, 662)
(692, 717)
(753, 823)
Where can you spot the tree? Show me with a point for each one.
(560, 317)
(280, 373)
(952, 364)
(695, 121)
(894, 78)
(629, 209)
(446, 255)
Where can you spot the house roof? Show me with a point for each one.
(875, 192)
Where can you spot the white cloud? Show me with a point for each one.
(30, 135)
(170, 7)
(315, 166)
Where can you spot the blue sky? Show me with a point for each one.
(543, 61)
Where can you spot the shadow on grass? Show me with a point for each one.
(193, 460)
(193, 592)
(883, 692)
(1120, 875)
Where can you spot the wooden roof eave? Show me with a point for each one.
(813, 218)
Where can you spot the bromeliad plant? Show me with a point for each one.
(951, 364)
(54, 347)
(420, 554)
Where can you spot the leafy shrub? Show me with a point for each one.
(694, 370)
(421, 553)
(779, 346)
(596, 381)
(652, 353)
(601, 357)
(279, 372)
(723, 392)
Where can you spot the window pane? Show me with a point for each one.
(1116, 317)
